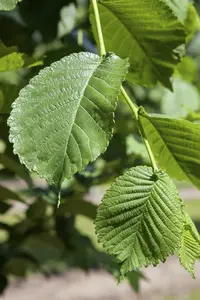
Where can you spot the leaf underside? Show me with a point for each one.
(64, 118)
(144, 28)
(175, 144)
(189, 249)
(139, 220)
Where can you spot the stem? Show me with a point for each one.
(99, 29)
(150, 153)
(135, 110)
(133, 106)
(80, 37)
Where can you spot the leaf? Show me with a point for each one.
(192, 22)
(8, 194)
(8, 93)
(140, 219)
(70, 17)
(78, 207)
(68, 110)
(8, 4)
(43, 247)
(189, 249)
(14, 166)
(184, 97)
(148, 32)
(12, 59)
(186, 69)
(175, 144)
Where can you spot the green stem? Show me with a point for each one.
(133, 106)
(80, 37)
(99, 29)
(135, 110)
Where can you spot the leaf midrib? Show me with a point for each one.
(81, 98)
(143, 51)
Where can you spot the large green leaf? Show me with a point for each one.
(140, 219)
(175, 144)
(12, 59)
(64, 118)
(148, 32)
(189, 249)
(8, 4)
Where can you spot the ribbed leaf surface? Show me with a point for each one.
(140, 220)
(64, 118)
(190, 246)
(146, 31)
(175, 144)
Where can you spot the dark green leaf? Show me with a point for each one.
(148, 32)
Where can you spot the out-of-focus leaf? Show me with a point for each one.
(43, 247)
(8, 194)
(70, 17)
(186, 69)
(8, 4)
(42, 16)
(8, 93)
(136, 148)
(79, 207)
(192, 22)
(184, 97)
(12, 59)
(18, 267)
(14, 166)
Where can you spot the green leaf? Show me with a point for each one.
(68, 110)
(12, 59)
(148, 32)
(14, 166)
(8, 93)
(176, 104)
(192, 22)
(186, 69)
(189, 249)
(175, 144)
(8, 4)
(78, 207)
(140, 219)
(71, 16)
(8, 194)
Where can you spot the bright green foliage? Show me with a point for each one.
(144, 28)
(8, 4)
(64, 118)
(12, 59)
(190, 245)
(140, 220)
(175, 144)
(176, 104)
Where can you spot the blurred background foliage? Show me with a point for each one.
(34, 236)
